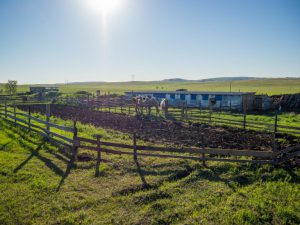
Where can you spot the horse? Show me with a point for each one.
(137, 100)
(164, 105)
(151, 102)
(147, 102)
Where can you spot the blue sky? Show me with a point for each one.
(51, 41)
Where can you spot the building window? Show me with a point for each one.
(218, 97)
(193, 97)
(205, 97)
(182, 97)
(159, 95)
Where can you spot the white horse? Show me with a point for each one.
(151, 102)
(164, 105)
(148, 102)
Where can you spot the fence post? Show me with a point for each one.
(98, 156)
(75, 144)
(48, 119)
(5, 107)
(244, 124)
(202, 145)
(275, 122)
(274, 149)
(29, 119)
(166, 108)
(210, 112)
(134, 147)
(186, 110)
(15, 116)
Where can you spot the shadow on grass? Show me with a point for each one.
(66, 173)
(23, 140)
(33, 153)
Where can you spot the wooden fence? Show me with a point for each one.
(209, 117)
(189, 114)
(196, 114)
(43, 127)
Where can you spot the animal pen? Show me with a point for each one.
(74, 142)
(185, 113)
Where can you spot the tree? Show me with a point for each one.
(11, 86)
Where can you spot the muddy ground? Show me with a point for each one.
(169, 132)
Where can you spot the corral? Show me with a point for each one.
(140, 161)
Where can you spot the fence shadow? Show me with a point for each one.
(65, 174)
(33, 153)
(141, 173)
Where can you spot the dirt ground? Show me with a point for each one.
(168, 132)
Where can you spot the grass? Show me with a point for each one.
(261, 86)
(38, 188)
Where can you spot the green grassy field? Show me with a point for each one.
(261, 86)
(38, 187)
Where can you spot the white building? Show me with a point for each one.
(225, 100)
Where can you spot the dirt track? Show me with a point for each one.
(165, 131)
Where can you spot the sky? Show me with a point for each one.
(57, 41)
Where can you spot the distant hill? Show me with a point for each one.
(175, 80)
(211, 79)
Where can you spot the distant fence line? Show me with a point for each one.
(196, 114)
(43, 127)
(182, 113)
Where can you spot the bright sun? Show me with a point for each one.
(104, 6)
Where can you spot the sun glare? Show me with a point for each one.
(104, 6)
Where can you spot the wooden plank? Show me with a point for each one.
(288, 127)
(230, 152)
(287, 132)
(229, 120)
(82, 139)
(91, 141)
(242, 122)
(25, 127)
(38, 120)
(183, 157)
(60, 127)
(38, 127)
(249, 125)
(8, 111)
(21, 114)
(61, 137)
(93, 148)
(115, 145)
(20, 120)
(60, 142)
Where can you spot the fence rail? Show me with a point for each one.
(192, 114)
(151, 151)
(43, 127)
(195, 115)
